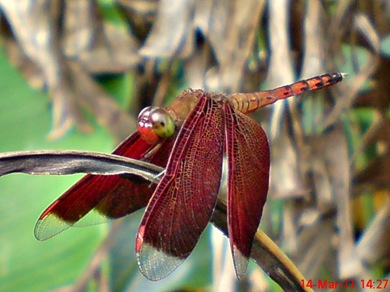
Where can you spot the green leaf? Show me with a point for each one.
(25, 263)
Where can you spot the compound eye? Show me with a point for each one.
(145, 112)
(162, 123)
(155, 123)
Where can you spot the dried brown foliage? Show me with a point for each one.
(230, 46)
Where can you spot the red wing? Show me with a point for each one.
(132, 193)
(248, 156)
(108, 196)
(184, 200)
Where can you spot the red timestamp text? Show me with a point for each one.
(351, 283)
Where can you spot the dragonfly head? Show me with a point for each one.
(154, 124)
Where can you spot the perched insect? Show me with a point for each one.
(188, 138)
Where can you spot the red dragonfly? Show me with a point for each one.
(188, 138)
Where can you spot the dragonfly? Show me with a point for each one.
(189, 139)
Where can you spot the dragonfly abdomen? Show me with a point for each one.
(250, 102)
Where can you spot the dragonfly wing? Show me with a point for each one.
(248, 157)
(132, 193)
(184, 200)
(106, 196)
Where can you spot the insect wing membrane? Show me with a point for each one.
(101, 197)
(248, 157)
(184, 200)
